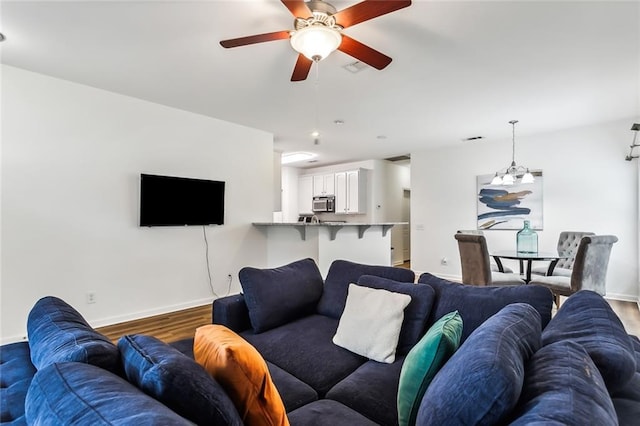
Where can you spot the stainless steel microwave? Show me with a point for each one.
(324, 204)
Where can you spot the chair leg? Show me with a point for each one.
(556, 299)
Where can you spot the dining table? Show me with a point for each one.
(529, 258)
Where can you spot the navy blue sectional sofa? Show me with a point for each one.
(514, 365)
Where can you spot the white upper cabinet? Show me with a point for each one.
(351, 192)
(323, 185)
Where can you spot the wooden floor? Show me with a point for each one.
(629, 315)
(181, 325)
(168, 327)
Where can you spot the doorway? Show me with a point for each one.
(406, 229)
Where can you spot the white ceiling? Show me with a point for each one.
(459, 69)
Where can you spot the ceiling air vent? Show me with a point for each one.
(355, 67)
(399, 158)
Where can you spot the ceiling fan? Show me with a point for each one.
(318, 32)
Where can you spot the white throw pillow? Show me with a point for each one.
(371, 322)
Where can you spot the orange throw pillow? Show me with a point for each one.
(242, 372)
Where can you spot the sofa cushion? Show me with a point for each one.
(82, 394)
(371, 390)
(279, 295)
(243, 373)
(563, 386)
(175, 380)
(58, 333)
(371, 322)
(184, 346)
(482, 381)
(423, 362)
(304, 349)
(416, 314)
(327, 413)
(342, 273)
(293, 391)
(16, 372)
(627, 401)
(586, 318)
(476, 304)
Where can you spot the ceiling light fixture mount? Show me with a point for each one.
(509, 175)
(317, 36)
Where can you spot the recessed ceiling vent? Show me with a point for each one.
(472, 138)
(399, 158)
(355, 67)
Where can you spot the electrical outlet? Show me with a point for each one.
(444, 261)
(91, 297)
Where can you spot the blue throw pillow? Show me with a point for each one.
(58, 333)
(476, 304)
(423, 362)
(74, 393)
(279, 295)
(416, 313)
(562, 385)
(342, 273)
(586, 318)
(482, 381)
(176, 380)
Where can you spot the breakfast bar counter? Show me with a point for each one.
(327, 241)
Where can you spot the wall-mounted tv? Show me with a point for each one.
(179, 201)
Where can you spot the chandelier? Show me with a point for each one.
(509, 175)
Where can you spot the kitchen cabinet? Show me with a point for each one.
(323, 185)
(305, 195)
(351, 192)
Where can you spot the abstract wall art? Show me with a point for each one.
(506, 207)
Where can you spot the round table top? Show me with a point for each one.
(540, 255)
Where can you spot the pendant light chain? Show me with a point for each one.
(513, 141)
(316, 140)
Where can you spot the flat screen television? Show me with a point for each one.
(179, 201)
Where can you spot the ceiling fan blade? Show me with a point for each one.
(363, 53)
(298, 8)
(258, 38)
(302, 68)
(368, 9)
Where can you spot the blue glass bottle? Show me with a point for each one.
(527, 239)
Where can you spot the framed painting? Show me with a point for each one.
(507, 207)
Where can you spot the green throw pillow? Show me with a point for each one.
(423, 362)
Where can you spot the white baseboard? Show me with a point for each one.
(12, 339)
(622, 297)
(128, 317)
(150, 312)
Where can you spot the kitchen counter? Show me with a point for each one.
(325, 242)
(333, 226)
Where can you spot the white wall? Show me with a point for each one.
(71, 160)
(587, 186)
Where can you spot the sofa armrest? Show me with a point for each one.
(232, 312)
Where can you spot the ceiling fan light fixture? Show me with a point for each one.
(316, 42)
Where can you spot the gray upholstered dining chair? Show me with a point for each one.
(494, 267)
(568, 242)
(474, 258)
(589, 268)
